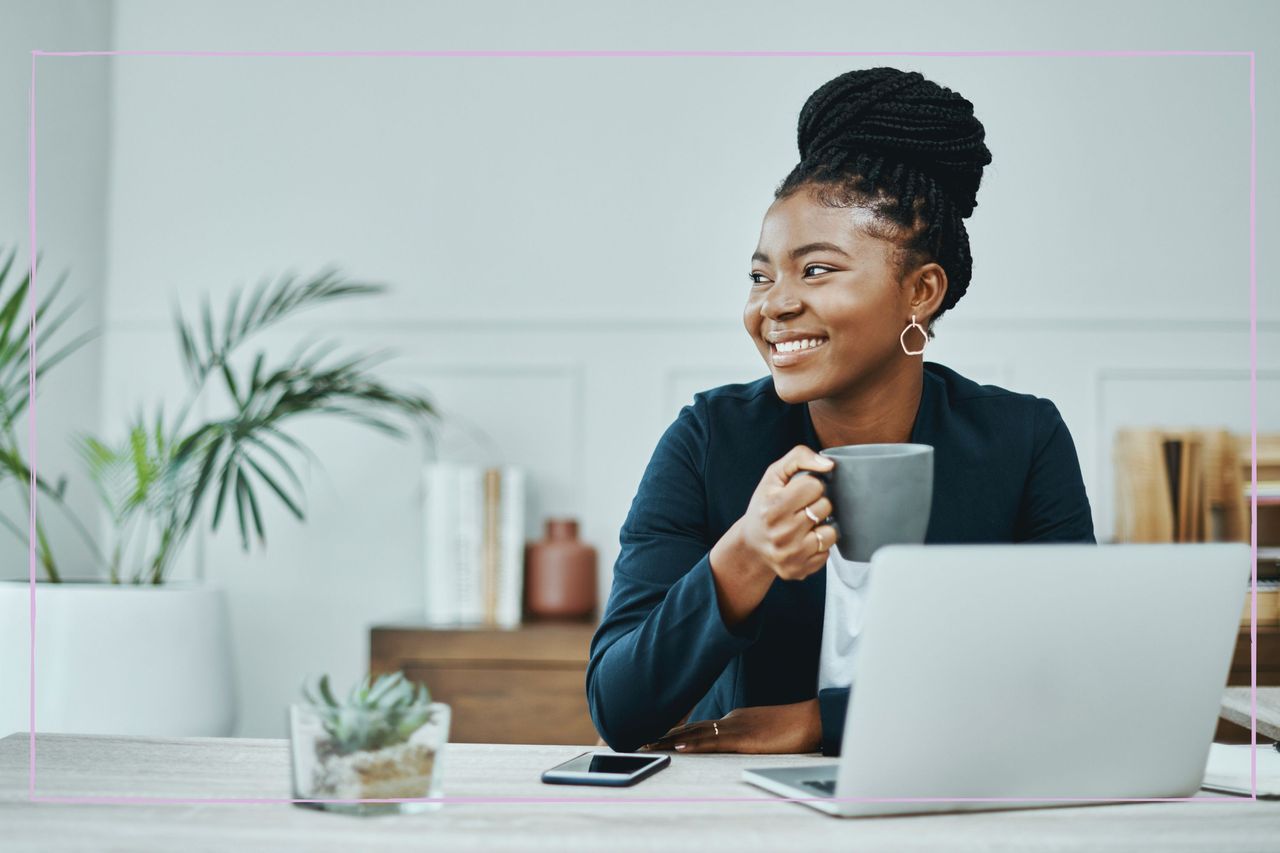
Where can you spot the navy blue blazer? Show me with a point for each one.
(1005, 470)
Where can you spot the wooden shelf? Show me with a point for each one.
(521, 685)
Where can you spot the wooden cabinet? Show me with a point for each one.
(528, 685)
(524, 685)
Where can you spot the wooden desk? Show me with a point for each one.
(618, 820)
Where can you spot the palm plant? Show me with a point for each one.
(156, 481)
(16, 383)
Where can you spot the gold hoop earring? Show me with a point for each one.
(902, 338)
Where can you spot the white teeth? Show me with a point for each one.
(796, 346)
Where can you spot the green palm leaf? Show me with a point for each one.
(171, 473)
(16, 327)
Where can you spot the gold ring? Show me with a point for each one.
(716, 726)
(812, 517)
(819, 536)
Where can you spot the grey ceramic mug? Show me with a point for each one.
(881, 494)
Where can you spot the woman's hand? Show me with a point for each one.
(763, 729)
(775, 530)
(775, 538)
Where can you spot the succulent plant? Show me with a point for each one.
(374, 715)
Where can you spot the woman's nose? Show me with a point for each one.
(781, 301)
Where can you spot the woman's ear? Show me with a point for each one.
(928, 290)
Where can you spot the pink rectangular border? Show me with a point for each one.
(1253, 400)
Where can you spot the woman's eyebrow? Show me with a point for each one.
(803, 250)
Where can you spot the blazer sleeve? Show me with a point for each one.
(1054, 508)
(662, 642)
(1054, 505)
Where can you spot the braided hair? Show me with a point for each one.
(908, 150)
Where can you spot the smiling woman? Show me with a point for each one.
(721, 613)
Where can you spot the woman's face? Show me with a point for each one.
(819, 277)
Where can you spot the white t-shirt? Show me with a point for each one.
(842, 620)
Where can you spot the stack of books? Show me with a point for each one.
(1162, 485)
(1268, 467)
(1268, 603)
(1194, 486)
(473, 522)
(1268, 555)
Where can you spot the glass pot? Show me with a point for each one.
(350, 754)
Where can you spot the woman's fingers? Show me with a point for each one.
(821, 508)
(802, 491)
(801, 458)
(827, 535)
(702, 743)
(695, 737)
(807, 549)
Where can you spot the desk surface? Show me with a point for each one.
(1237, 706)
(86, 766)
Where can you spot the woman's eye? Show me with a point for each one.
(808, 267)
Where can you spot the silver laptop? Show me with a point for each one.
(1014, 676)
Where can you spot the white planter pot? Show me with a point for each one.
(117, 659)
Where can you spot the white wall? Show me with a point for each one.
(567, 239)
(73, 109)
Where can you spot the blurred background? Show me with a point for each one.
(565, 242)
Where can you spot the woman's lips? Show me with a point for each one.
(787, 359)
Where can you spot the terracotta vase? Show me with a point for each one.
(560, 574)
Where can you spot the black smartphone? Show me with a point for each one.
(605, 768)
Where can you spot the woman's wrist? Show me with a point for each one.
(741, 582)
(813, 714)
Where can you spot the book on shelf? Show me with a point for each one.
(1268, 490)
(1268, 603)
(1164, 481)
(1177, 485)
(473, 544)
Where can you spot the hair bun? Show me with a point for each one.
(903, 117)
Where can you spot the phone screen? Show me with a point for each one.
(605, 768)
(596, 763)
